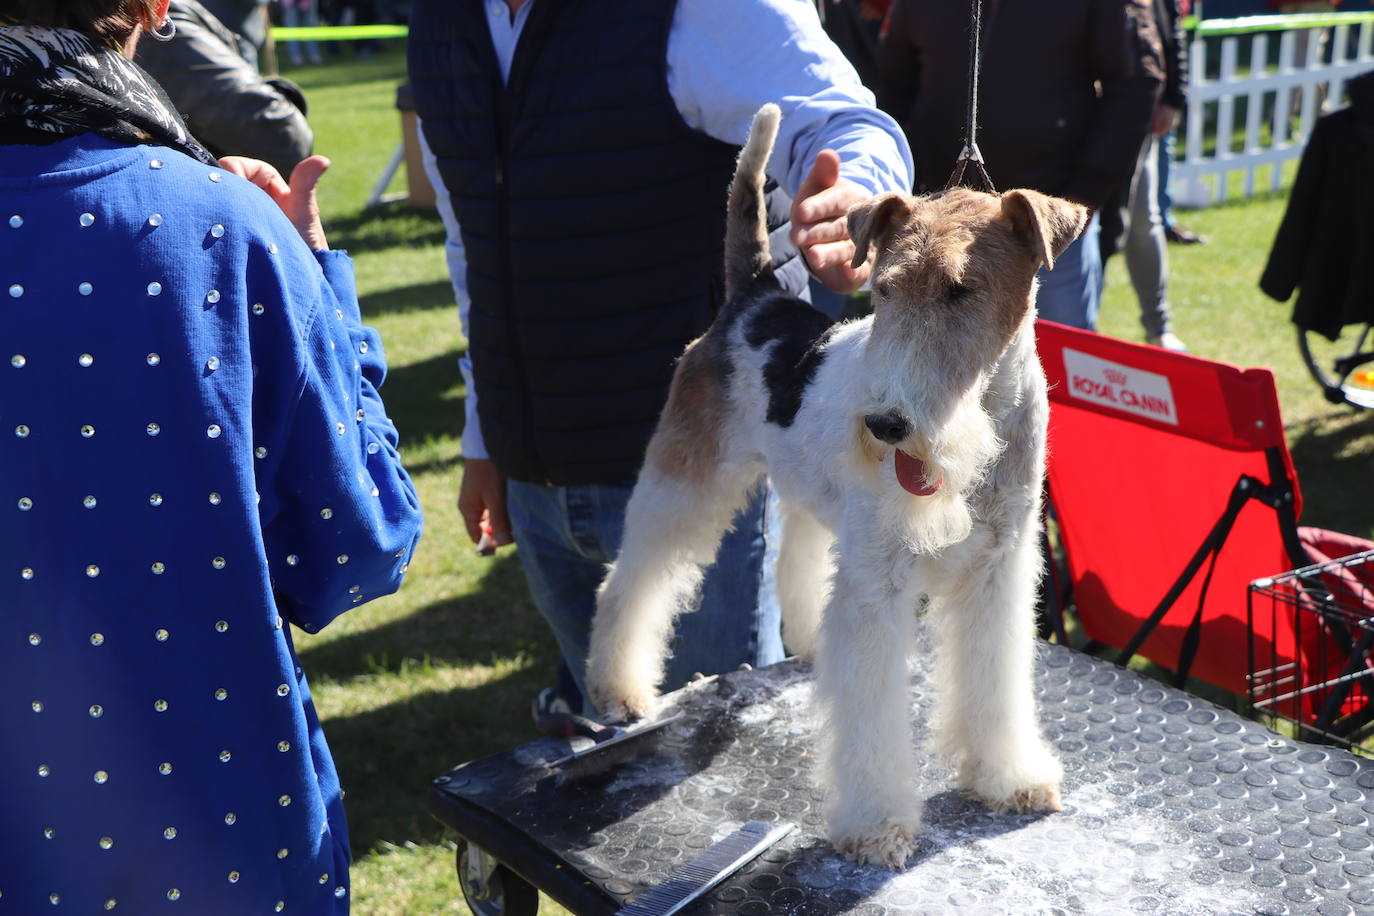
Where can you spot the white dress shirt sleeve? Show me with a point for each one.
(473, 446)
(726, 58)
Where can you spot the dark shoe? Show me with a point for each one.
(553, 716)
(1181, 236)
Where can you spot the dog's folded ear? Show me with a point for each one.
(872, 219)
(1047, 225)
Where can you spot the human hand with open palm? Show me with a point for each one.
(296, 198)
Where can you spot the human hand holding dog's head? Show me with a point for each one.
(818, 224)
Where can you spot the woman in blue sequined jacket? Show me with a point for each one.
(193, 457)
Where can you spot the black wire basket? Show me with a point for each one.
(1311, 638)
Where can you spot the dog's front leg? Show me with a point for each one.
(985, 622)
(873, 811)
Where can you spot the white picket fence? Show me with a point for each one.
(1200, 178)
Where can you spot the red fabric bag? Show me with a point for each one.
(1328, 628)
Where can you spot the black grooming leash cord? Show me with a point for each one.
(970, 170)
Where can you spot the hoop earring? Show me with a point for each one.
(170, 24)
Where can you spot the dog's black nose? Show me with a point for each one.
(887, 427)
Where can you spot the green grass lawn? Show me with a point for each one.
(444, 671)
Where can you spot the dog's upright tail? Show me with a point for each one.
(747, 256)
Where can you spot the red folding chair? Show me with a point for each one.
(1172, 485)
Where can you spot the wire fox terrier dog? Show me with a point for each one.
(907, 451)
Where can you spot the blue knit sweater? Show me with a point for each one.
(193, 454)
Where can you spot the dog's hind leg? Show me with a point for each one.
(862, 681)
(686, 495)
(984, 659)
(673, 528)
(804, 572)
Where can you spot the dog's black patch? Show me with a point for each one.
(800, 333)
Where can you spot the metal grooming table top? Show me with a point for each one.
(1172, 806)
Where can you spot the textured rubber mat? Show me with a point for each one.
(1172, 806)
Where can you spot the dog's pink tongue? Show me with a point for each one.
(911, 474)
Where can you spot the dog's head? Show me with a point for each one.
(953, 282)
(954, 273)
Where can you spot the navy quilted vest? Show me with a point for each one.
(592, 216)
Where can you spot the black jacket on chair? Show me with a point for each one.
(1325, 244)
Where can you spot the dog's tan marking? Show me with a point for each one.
(868, 454)
(873, 221)
(687, 443)
(956, 261)
(954, 270)
(1046, 225)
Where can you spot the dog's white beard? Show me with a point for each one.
(961, 453)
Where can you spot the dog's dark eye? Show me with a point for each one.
(883, 288)
(957, 291)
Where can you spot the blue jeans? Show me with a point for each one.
(567, 535)
(1072, 293)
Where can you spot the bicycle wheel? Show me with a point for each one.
(1344, 368)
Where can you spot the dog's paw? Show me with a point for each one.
(1036, 798)
(887, 845)
(624, 705)
(620, 692)
(1026, 789)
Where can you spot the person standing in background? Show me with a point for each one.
(247, 19)
(227, 104)
(1067, 91)
(1168, 145)
(302, 14)
(1307, 47)
(1132, 213)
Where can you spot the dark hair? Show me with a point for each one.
(104, 20)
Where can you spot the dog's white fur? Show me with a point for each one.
(858, 550)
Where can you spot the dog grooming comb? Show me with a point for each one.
(695, 879)
(613, 747)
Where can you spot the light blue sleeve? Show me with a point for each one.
(726, 58)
